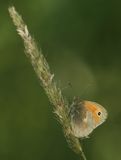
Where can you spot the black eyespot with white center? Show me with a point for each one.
(99, 113)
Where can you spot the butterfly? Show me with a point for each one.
(85, 116)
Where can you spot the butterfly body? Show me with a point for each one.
(85, 117)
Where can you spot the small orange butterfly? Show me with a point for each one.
(86, 116)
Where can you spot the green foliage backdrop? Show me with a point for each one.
(82, 43)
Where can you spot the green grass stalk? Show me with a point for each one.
(42, 69)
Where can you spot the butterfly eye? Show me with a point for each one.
(99, 113)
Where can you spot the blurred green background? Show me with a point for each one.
(82, 43)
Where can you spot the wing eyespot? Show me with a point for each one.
(99, 113)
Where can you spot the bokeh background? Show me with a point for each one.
(82, 43)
